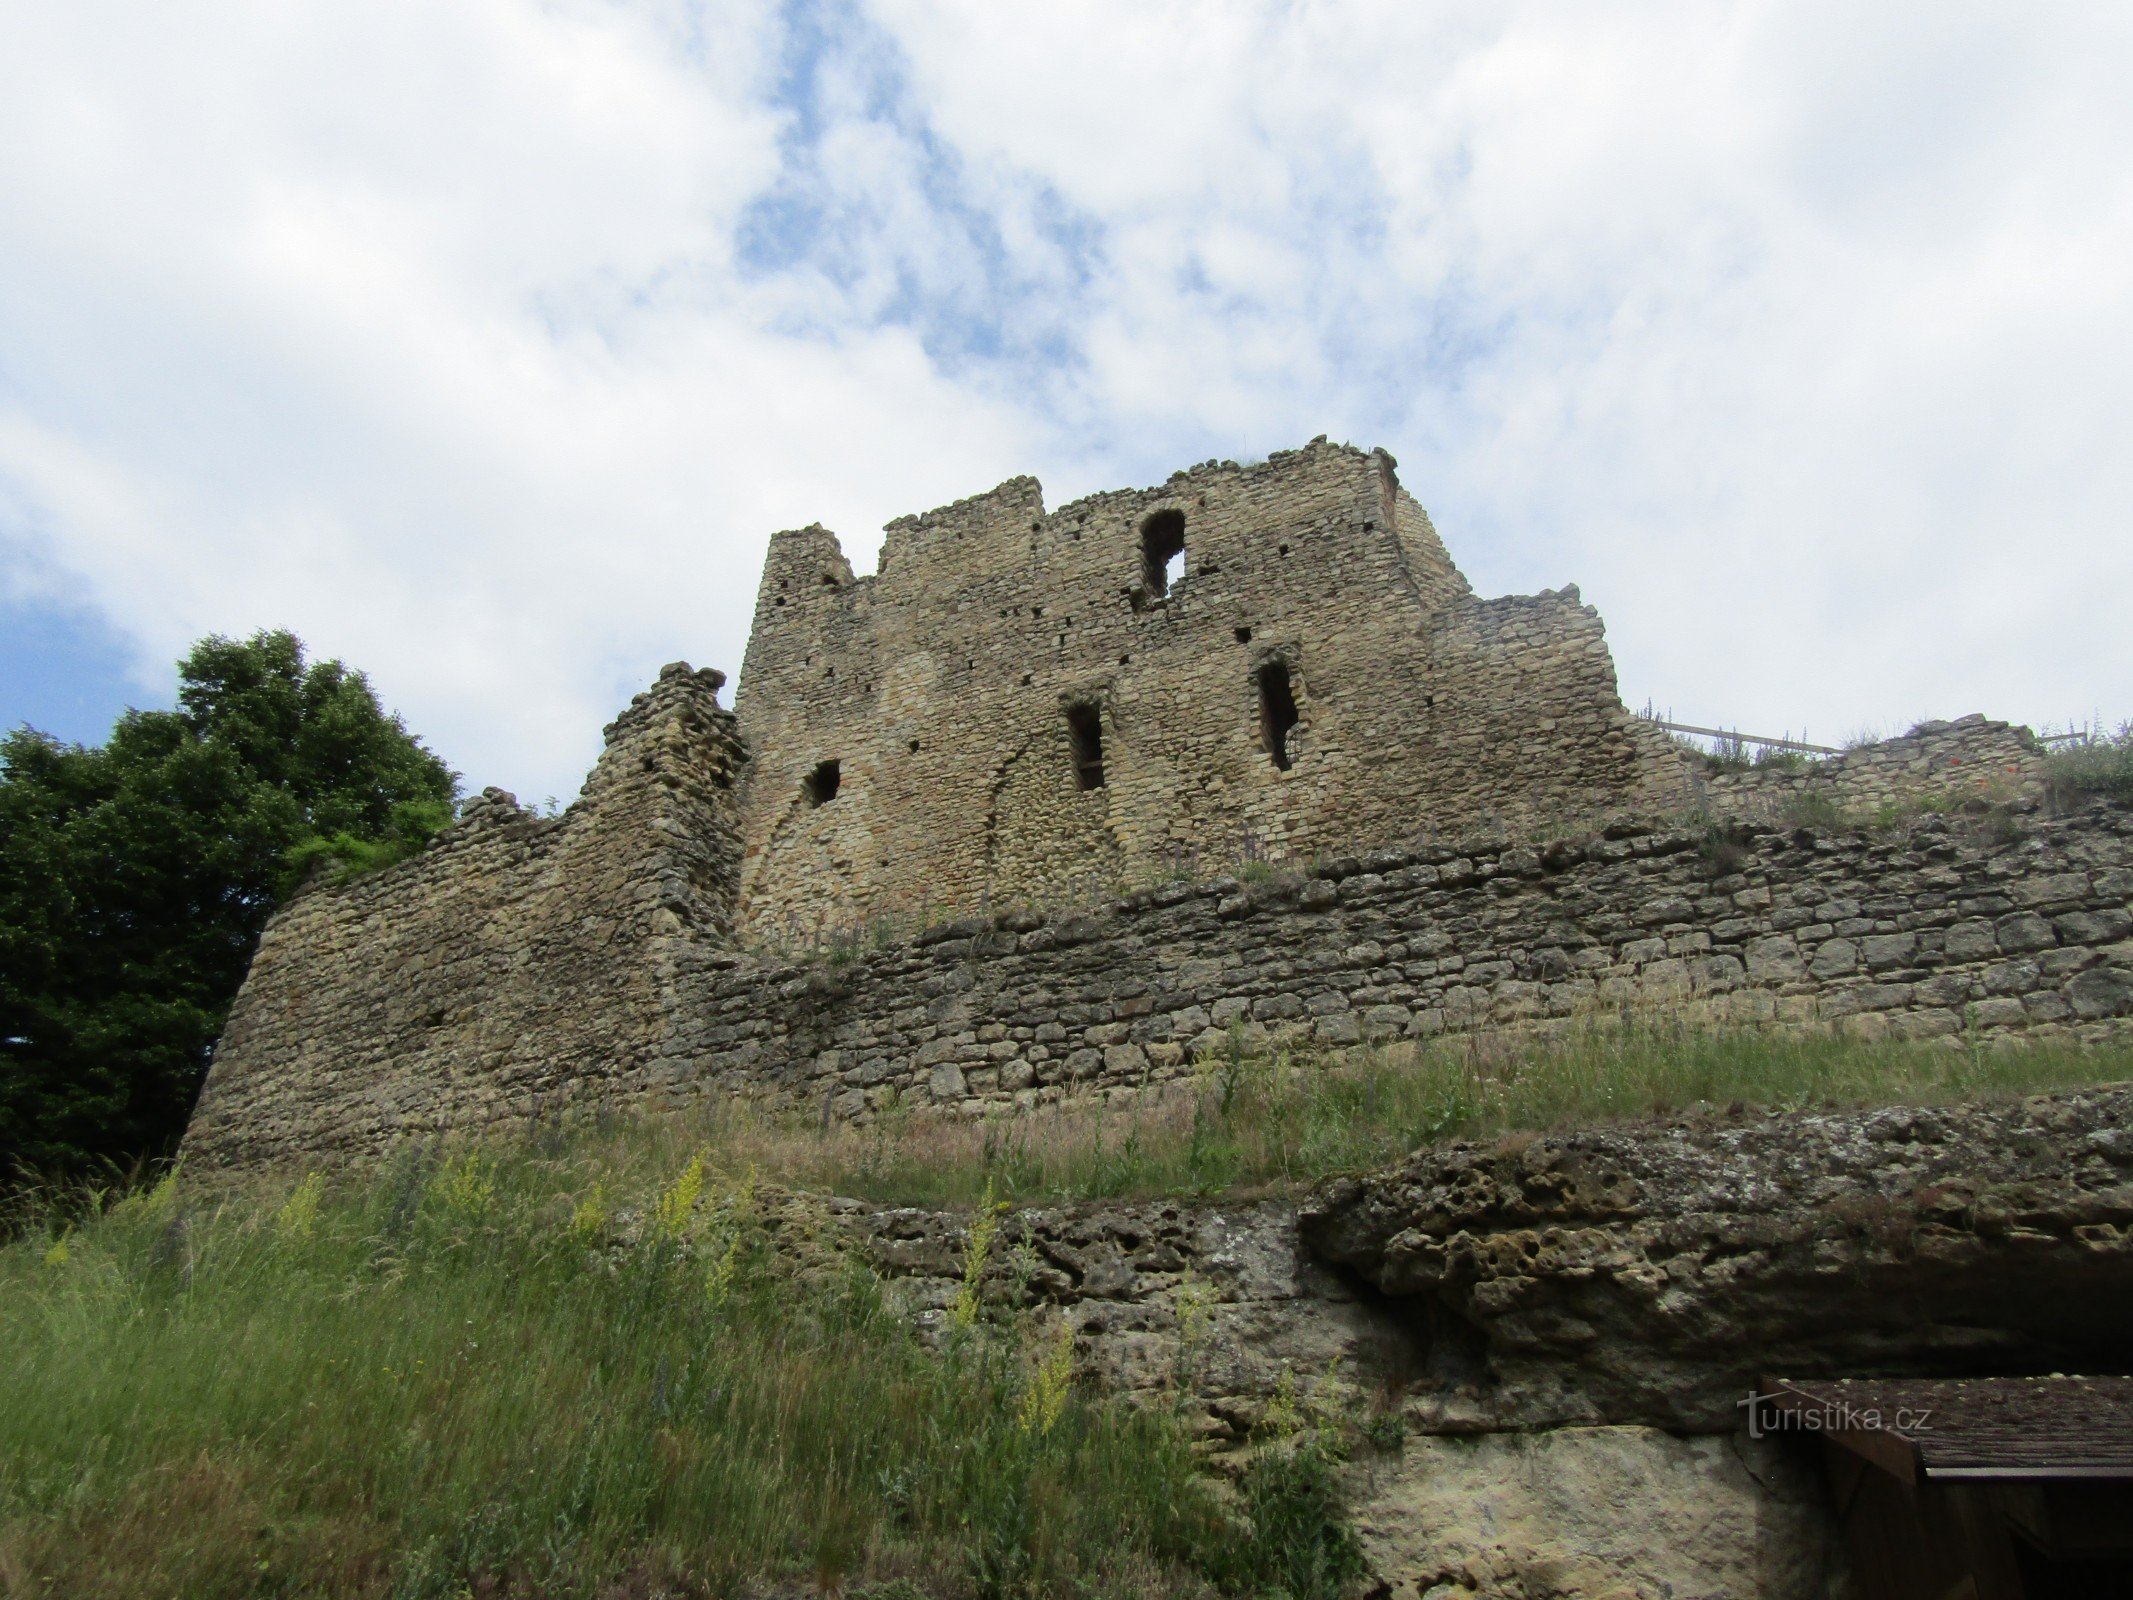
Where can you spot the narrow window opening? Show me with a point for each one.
(821, 785)
(1162, 552)
(1244, 636)
(1277, 712)
(1085, 735)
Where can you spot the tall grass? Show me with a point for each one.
(1244, 1121)
(2101, 764)
(575, 1366)
(456, 1381)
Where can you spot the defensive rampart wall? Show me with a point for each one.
(520, 961)
(1950, 927)
(1969, 759)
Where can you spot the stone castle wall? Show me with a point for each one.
(946, 690)
(1941, 930)
(520, 961)
(523, 963)
(1971, 758)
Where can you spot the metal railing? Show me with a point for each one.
(1735, 737)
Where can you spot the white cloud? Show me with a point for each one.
(1796, 333)
(485, 342)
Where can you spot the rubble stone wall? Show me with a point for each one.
(1971, 758)
(1945, 928)
(520, 961)
(945, 688)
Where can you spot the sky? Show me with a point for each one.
(484, 343)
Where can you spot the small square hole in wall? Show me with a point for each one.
(1244, 636)
(820, 786)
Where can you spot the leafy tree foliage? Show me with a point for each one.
(135, 879)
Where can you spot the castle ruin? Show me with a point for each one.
(1057, 805)
(1274, 661)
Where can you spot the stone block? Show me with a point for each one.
(1338, 1028)
(2022, 931)
(2012, 977)
(2049, 891)
(1836, 958)
(1885, 950)
(1773, 959)
(2106, 926)
(2102, 992)
(1381, 1022)
(1999, 1012)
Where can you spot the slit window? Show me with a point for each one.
(1162, 552)
(1277, 712)
(821, 785)
(1085, 737)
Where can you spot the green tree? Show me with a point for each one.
(135, 878)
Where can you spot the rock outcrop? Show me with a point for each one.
(1558, 1329)
(1651, 1274)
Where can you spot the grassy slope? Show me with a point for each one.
(1249, 1123)
(448, 1379)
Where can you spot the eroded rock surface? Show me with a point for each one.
(1209, 1304)
(1650, 1274)
(1625, 1513)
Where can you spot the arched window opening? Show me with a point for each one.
(1277, 712)
(1085, 737)
(821, 785)
(1162, 552)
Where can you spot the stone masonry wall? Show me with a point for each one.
(519, 962)
(1971, 758)
(1937, 930)
(945, 688)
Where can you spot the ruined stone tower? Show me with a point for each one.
(1265, 661)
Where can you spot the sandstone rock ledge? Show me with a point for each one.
(1651, 1274)
(1567, 1323)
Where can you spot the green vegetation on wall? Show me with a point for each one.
(135, 878)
